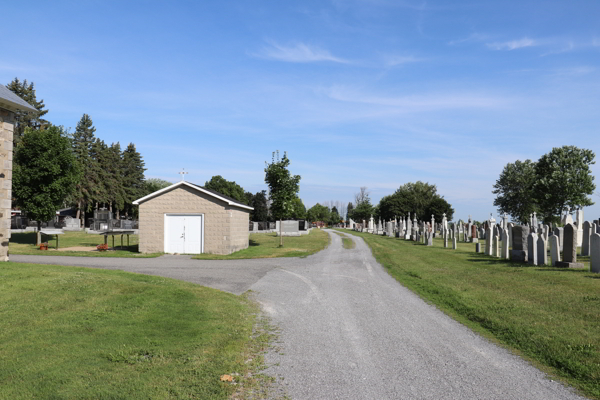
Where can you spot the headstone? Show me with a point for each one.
(474, 234)
(595, 253)
(504, 221)
(542, 251)
(519, 243)
(495, 247)
(371, 228)
(554, 250)
(567, 218)
(570, 248)
(477, 247)
(505, 249)
(546, 232)
(585, 240)
(488, 241)
(532, 240)
(534, 220)
(390, 229)
(580, 222)
(454, 243)
(561, 236)
(510, 239)
(430, 239)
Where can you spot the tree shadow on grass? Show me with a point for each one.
(23, 238)
(252, 243)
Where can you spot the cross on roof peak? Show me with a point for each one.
(183, 174)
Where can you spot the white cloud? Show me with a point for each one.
(417, 103)
(392, 61)
(513, 44)
(299, 53)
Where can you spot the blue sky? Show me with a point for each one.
(369, 93)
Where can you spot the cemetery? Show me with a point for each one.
(534, 243)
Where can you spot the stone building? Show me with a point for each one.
(9, 104)
(190, 219)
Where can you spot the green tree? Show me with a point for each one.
(133, 177)
(563, 179)
(349, 211)
(299, 209)
(46, 172)
(363, 209)
(318, 212)
(283, 187)
(228, 188)
(24, 120)
(514, 190)
(418, 197)
(334, 216)
(261, 209)
(153, 185)
(115, 179)
(82, 140)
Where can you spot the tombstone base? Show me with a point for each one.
(518, 255)
(564, 264)
(474, 240)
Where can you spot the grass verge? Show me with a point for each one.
(346, 242)
(95, 334)
(24, 243)
(266, 245)
(550, 315)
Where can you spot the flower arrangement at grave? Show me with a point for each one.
(102, 247)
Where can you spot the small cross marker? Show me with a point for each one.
(183, 174)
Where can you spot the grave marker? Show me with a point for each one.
(570, 248)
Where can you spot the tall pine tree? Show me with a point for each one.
(133, 177)
(82, 140)
(23, 120)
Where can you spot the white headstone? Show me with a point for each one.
(505, 247)
(554, 249)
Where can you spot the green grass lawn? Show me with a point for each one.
(266, 245)
(550, 315)
(75, 333)
(24, 243)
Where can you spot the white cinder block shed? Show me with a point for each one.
(190, 219)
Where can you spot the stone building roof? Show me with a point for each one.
(230, 201)
(12, 102)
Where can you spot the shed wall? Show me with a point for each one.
(7, 122)
(218, 221)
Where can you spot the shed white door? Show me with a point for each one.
(183, 234)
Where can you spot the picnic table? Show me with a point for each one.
(52, 232)
(117, 233)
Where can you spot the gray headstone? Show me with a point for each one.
(519, 239)
(505, 249)
(585, 243)
(532, 240)
(570, 243)
(554, 250)
(495, 246)
(560, 233)
(454, 243)
(570, 248)
(488, 241)
(429, 238)
(477, 247)
(542, 251)
(595, 253)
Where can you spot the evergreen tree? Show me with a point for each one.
(99, 161)
(133, 177)
(82, 140)
(349, 211)
(259, 203)
(115, 181)
(24, 120)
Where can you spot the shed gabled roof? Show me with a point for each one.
(12, 102)
(230, 201)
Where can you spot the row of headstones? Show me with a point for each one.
(532, 247)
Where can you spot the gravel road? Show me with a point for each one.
(233, 276)
(350, 331)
